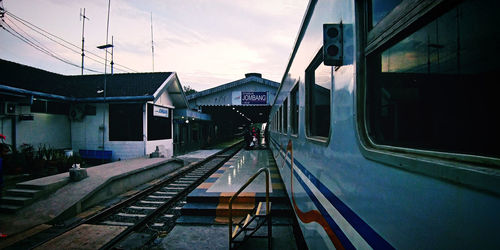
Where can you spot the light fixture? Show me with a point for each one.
(105, 46)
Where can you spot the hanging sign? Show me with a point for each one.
(253, 97)
(160, 111)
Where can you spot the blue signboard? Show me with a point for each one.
(253, 97)
(160, 111)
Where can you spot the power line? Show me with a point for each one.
(46, 51)
(43, 33)
(53, 38)
(65, 46)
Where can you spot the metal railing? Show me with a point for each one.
(266, 171)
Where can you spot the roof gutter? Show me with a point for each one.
(144, 98)
(36, 93)
(74, 99)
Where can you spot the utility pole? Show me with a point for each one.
(112, 50)
(152, 43)
(2, 10)
(83, 34)
(105, 47)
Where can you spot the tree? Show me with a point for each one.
(188, 90)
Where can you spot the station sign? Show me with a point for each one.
(253, 97)
(160, 111)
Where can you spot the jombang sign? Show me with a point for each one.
(253, 97)
(160, 111)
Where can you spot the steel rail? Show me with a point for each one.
(93, 219)
(142, 222)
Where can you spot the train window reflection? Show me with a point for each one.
(294, 110)
(318, 87)
(433, 90)
(380, 8)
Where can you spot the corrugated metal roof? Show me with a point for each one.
(86, 86)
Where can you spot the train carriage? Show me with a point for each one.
(384, 127)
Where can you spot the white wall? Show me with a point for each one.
(86, 134)
(48, 129)
(126, 149)
(166, 101)
(168, 144)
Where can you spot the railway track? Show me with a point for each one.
(152, 212)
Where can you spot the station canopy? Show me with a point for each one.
(247, 100)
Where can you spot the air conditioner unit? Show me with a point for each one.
(9, 108)
(76, 112)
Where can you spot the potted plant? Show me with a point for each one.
(4, 149)
(38, 160)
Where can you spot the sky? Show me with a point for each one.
(207, 42)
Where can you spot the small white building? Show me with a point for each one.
(130, 117)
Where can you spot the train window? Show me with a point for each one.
(380, 8)
(294, 110)
(280, 122)
(275, 122)
(318, 89)
(285, 116)
(433, 90)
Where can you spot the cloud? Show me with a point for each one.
(206, 42)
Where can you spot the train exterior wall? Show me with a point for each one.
(342, 198)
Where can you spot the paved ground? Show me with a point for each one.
(47, 209)
(216, 237)
(245, 164)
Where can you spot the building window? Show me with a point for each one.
(435, 89)
(125, 122)
(285, 116)
(159, 127)
(318, 89)
(50, 107)
(294, 110)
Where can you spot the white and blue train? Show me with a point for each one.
(385, 127)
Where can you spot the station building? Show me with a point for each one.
(130, 118)
(236, 104)
(137, 113)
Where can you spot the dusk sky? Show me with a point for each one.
(207, 42)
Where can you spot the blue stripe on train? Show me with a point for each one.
(368, 234)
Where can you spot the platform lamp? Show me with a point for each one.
(105, 47)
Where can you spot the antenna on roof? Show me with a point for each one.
(152, 43)
(82, 16)
(2, 10)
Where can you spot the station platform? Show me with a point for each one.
(64, 198)
(204, 218)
